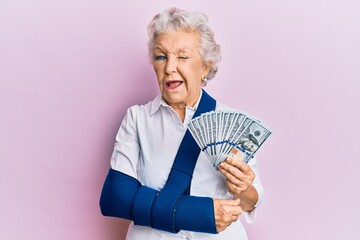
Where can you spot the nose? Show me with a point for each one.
(171, 64)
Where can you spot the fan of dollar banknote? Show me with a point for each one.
(219, 133)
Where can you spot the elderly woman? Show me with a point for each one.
(159, 178)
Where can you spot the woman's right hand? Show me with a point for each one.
(226, 211)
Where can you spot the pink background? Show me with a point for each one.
(69, 69)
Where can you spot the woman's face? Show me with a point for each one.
(179, 67)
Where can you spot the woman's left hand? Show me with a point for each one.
(238, 174)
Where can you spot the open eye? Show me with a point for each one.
(160, 57)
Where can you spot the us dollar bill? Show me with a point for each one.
(218, 133)
(251, 139)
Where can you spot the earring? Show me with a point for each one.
(204, 81)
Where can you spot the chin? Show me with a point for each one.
(174, 99)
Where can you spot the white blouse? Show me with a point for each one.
(145, 148)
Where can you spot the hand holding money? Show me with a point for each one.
(239, 179)
(238, 174)
(232, 137)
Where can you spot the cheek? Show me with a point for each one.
(197, 70)
(158, 72)
(190, 72)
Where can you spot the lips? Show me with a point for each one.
(173, 84)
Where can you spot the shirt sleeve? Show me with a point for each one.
(251, 216)
(126, 151)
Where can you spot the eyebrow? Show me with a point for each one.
(159, 47)
(183, 50)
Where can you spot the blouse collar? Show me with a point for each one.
(159, 101)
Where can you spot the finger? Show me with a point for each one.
(236, 162)
(235, 189)
(231, 178)
(234, 218)
(233, 202)
(229, 167)
(231, 173)
(235, 211)
(228, 202)
(245, 168)
(232, 212)
(241, 171)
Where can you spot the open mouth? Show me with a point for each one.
(172, 84)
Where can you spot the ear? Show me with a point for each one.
(206, 68)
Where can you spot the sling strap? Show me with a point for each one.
(172, 209)
(178, 182)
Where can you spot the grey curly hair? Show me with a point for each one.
(174, 19)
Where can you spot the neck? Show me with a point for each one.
(180, 108)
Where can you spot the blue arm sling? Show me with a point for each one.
(172, 209)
